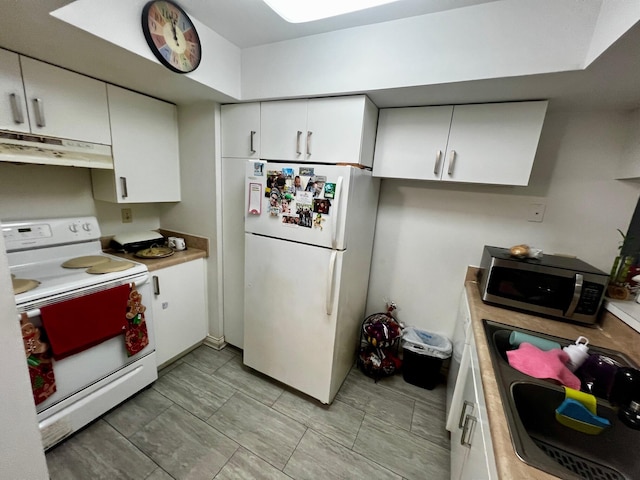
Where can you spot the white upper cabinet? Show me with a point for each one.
(322, 130)
(241, 130)
(145, 151)
(486, 143)
(412, 142)
(284, 129)
(13, 107)
(64, 104)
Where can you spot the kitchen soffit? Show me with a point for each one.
(614, 79)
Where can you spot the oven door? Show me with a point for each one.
(79, 375)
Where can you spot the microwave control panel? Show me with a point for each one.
(590, 298)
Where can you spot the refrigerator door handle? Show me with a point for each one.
(334, 217)
(330, 282)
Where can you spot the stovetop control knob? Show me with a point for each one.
(73, 227)
(86, 227)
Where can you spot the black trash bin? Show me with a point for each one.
(423, 354)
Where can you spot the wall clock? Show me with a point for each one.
(171, 36)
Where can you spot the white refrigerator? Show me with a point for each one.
(308, 239)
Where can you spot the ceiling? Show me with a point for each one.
(247, 23)
(611, 82)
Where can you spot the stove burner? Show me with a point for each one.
(110, 266)
(21, 285)
(86, 261)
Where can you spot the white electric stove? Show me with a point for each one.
(93, 381)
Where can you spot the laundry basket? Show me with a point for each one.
(423, 354)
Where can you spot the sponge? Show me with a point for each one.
(516, 338)
(573, 414)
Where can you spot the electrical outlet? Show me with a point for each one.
(536, 212)
(127, 216)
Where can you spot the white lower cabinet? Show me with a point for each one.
(472, 455)
(179, 308)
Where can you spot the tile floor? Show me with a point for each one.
(209, 417)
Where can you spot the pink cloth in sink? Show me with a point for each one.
(550, 364)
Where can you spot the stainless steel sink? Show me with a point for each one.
(540, 440)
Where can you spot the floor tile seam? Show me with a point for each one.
(171, 476)
(359, 428)
(442, 407)
(205, 392)
(143, 426)
(207, 372)
(400, 392)
(406, 431)
(294, 451)
(218, 409)
(246, 392)
(238, 444)
(364, 457)
(126, 439)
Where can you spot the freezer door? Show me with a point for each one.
(301, 203)
(291, 300)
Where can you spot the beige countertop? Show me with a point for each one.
(611, 333)
(197, 247)
(157, 263)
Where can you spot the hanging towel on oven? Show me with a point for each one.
(43, 381)
(80, 323)
(136, 336)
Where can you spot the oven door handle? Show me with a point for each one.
(30, 313)
(577, 291)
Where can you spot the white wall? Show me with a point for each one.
(428, 233)
(196, 213)
(40, 191)
(21, 452)
(452, 46)
(615, 18)
(119, 24)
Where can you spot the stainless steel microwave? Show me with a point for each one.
(554, 286)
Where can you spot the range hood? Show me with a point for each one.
(23, 148)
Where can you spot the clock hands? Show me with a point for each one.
(173, 28)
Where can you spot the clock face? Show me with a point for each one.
(171, 36)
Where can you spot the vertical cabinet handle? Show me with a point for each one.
(156, 285)
(123, 185)
(38, 107)
(251, 147)
(309, 143)
(467, 432)
(463, 413)
(330, 282)
(436, 167)
(16, 108)
(298, 136)
(452, 161)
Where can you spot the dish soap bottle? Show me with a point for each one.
(578, 353)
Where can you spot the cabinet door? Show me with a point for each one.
(335, 129)
(233, 202)
(241, 130)
(179, 308)
(462, 406)
(145, 150)
(411, 142)
(494, 143)
(480, 461)
(284, 127)
(13, 107)
(65, 104)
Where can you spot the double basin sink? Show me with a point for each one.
(540, 440)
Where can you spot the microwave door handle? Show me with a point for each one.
(577, 291)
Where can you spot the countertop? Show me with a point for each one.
(197, 247)
(611, 332)
(157, 263)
